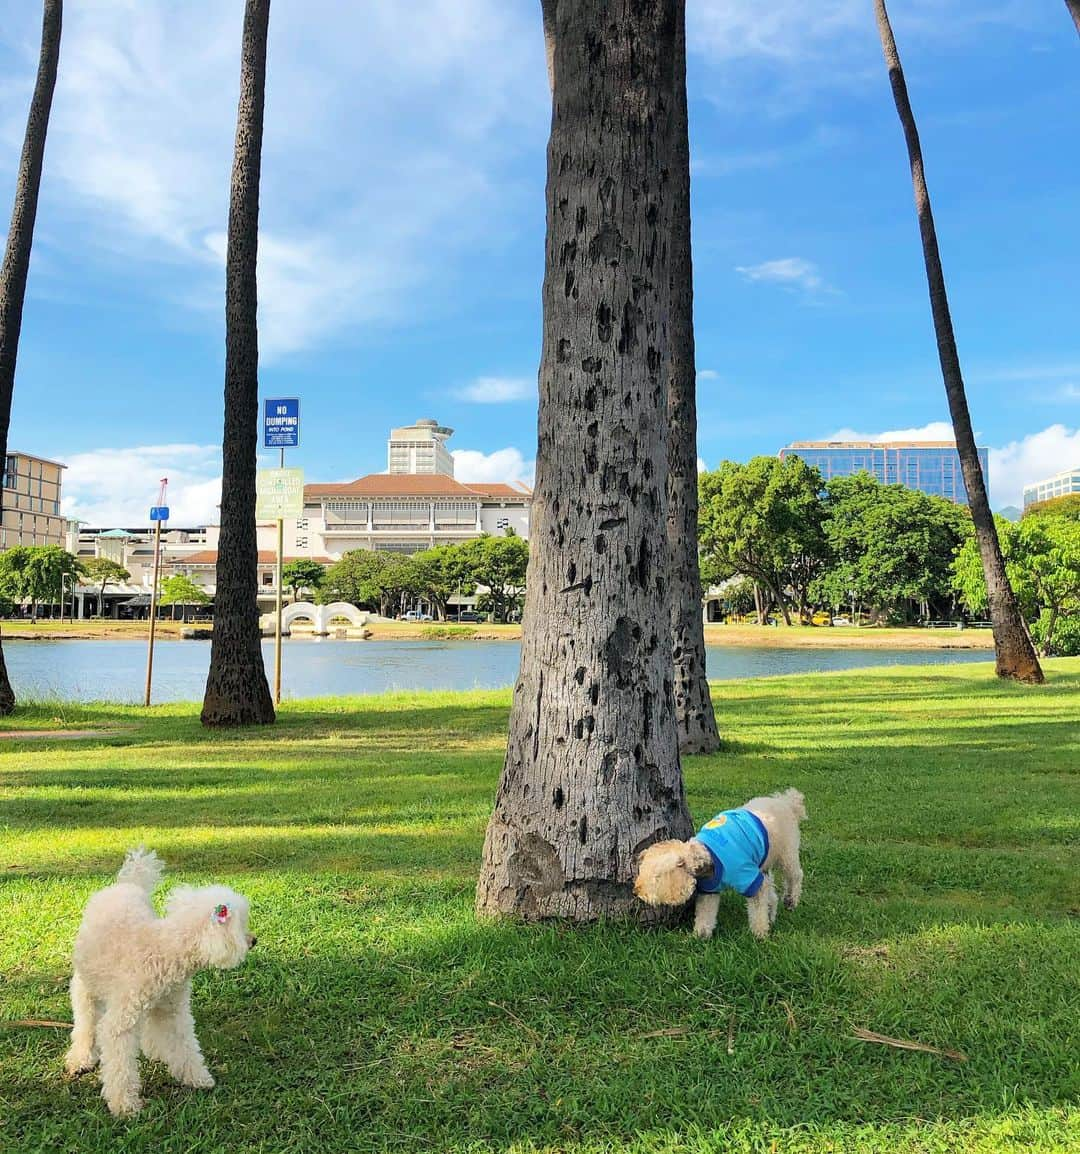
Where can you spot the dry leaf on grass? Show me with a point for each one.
(901, 1044)
(670, 1032)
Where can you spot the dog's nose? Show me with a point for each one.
(252, 939)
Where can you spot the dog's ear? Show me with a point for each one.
(697, 859)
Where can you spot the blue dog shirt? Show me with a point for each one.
(738, 843)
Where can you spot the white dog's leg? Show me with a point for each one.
(706, 909)
(82, 1054)
(118, 1041)
(761, 908)
(793, 877)
(169, 1036)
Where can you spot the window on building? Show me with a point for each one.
(301, 542)
(268, 579)
(302, 523)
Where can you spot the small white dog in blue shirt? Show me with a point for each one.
(736, 850)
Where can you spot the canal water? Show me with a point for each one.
(115, 670)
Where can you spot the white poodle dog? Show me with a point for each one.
(131, 981)
(736, 850)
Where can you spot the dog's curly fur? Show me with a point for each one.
(668, 872)
(131, 979)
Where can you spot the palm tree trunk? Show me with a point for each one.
(237, 692)
(1015, 653)
(592, 773)
(694, 714)
(19, 243)
(1074, 10)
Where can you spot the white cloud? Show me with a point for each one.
(114, 488)
(1033, 458)
(708, 375)
(701, 466)
(783, 31)
(934, 431)
(790, 272)
(497, 390)
(505, 465)
(387, 129)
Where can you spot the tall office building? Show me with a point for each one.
(930, 466)
(420, 448)
(30, 502)
(1059, 485)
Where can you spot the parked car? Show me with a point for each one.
(470, 615)
(416, 615)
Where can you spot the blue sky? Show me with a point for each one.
(401, 251)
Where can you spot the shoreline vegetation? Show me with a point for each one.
(741, 635)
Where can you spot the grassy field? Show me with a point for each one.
(376, 1014)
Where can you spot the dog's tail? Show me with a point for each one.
(797, 802)
(142, 868)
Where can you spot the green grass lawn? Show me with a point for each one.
(375, 1014)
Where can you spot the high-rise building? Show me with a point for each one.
(1059, 485)
(30, 502)
(930, 466)
(420, 448)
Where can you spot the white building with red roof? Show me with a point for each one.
(414, 506)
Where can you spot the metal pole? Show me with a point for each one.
(153, 611)
(277, 615)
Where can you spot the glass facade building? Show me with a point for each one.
(930, 466)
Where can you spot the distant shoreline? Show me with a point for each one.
(753, 636)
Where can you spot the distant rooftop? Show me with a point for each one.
(872, 445)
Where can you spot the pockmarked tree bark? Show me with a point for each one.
(237, 692)
(1013, 647)
(694, 713)
(592, 773)
(20, 242)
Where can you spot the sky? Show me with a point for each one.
(402, 217)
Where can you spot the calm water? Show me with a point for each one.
(116, 670)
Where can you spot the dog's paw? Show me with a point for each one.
(79, 1063)
(124, 1106)
(702, 933)
(199, 1080)
(790, 901)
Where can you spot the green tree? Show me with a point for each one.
(500, 565)
(182, 591)
(237, 692)
(36, 573)
(440, 573)
(303, 573)
(763, 520)
(1014, 651)
(1067, 505)
(20, 240)
(104, 572)
(890, 549)
(1042, 557)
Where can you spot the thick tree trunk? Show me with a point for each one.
(1015, 653)
(237, 692)
(694, 714)
(1074, 10)
(592, 772)
(19, 243)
